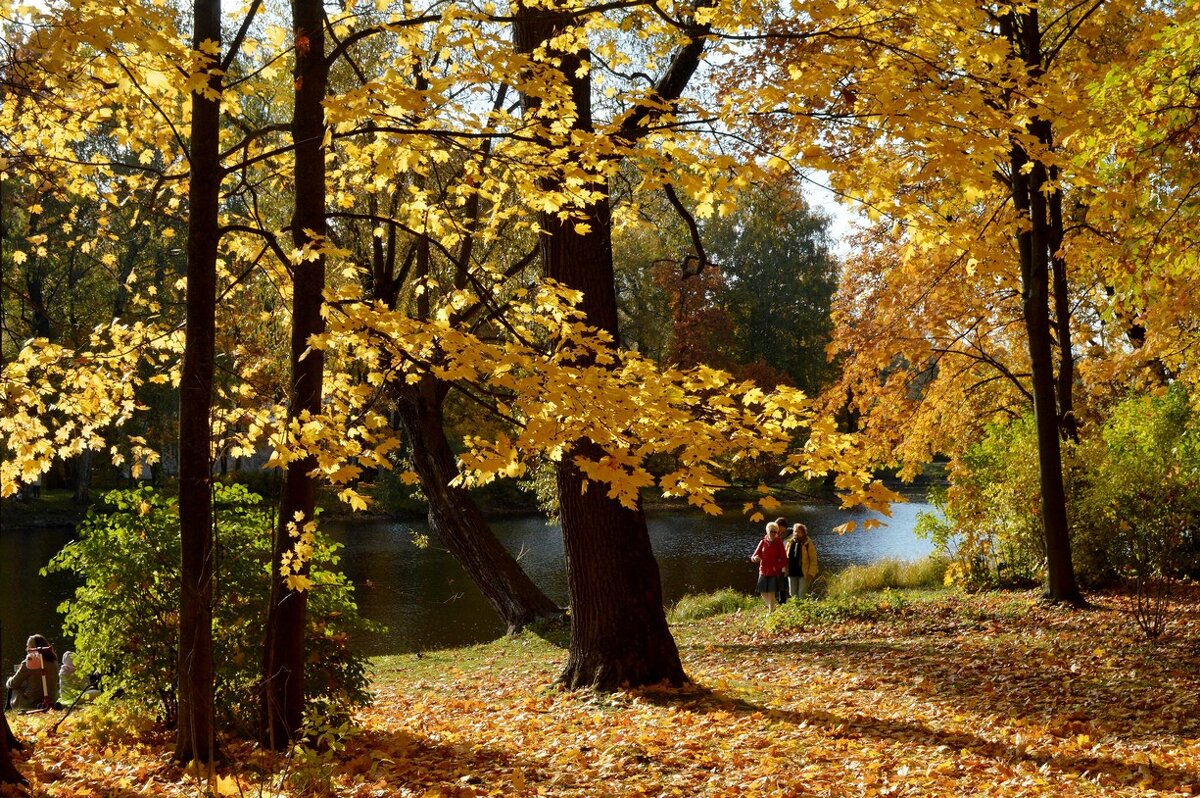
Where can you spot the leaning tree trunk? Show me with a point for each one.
(456, 519)
(1034, 243)
(282, 708)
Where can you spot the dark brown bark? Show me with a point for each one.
(619, 633)
(1036, 246)
(196, 731)
(281, 711)
(8, 770)
(456, 519)
(1069, 427)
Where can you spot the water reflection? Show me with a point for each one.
(426, 601)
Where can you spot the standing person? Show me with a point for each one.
(772, 564)
(35, 684)
(801, 561)
(781, 595)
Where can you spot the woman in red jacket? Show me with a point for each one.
(772, 564)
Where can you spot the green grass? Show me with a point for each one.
(889, 574)
(693, 608)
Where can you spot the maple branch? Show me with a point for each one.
(253, 136)
(271, 240)
(170, 122)
(240, 37)
(693, 231)
(387, 27)
(983, 357)
(672, 83)
(1049, 55)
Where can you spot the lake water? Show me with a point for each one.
(426, 601)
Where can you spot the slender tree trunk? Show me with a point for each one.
(1034, 242)
(455, 518)
(8, 771)
(196, 732)
(282, 708)
(1062, 316)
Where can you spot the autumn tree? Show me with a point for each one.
(408, 263)
(619, 633)
(958, 131)
(283, 663)
(196, 738)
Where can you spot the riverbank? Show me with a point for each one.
(918, 694)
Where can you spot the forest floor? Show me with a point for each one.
(949, 695)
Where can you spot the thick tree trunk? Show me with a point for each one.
(281, 711)
(456, 519)
(196, 732)
(619, 633)
(1035, 242)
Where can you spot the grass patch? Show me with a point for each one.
(888, 574)
(806, 613)
(536, 650)
(693, 608)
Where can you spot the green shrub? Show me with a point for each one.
(929, 572)
(125, 615)
(693, 608)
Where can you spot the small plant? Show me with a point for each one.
(693, 608)
(125, 615)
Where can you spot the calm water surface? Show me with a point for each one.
(426, 601)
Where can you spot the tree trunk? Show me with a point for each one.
(83, 478)
(1034, 242)
(455, 518)
(281, 711)
(196, 732)
(8, 770)
(8, 742)
(619, 632)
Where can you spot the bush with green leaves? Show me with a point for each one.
(989, 523)
(1133, 485)
(125, 615)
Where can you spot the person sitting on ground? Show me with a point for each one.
(35, 683)
(70, 680)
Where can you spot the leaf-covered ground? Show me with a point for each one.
(994, 695)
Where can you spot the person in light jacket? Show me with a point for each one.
(772, 564)
(35, 683)
(802, 561)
